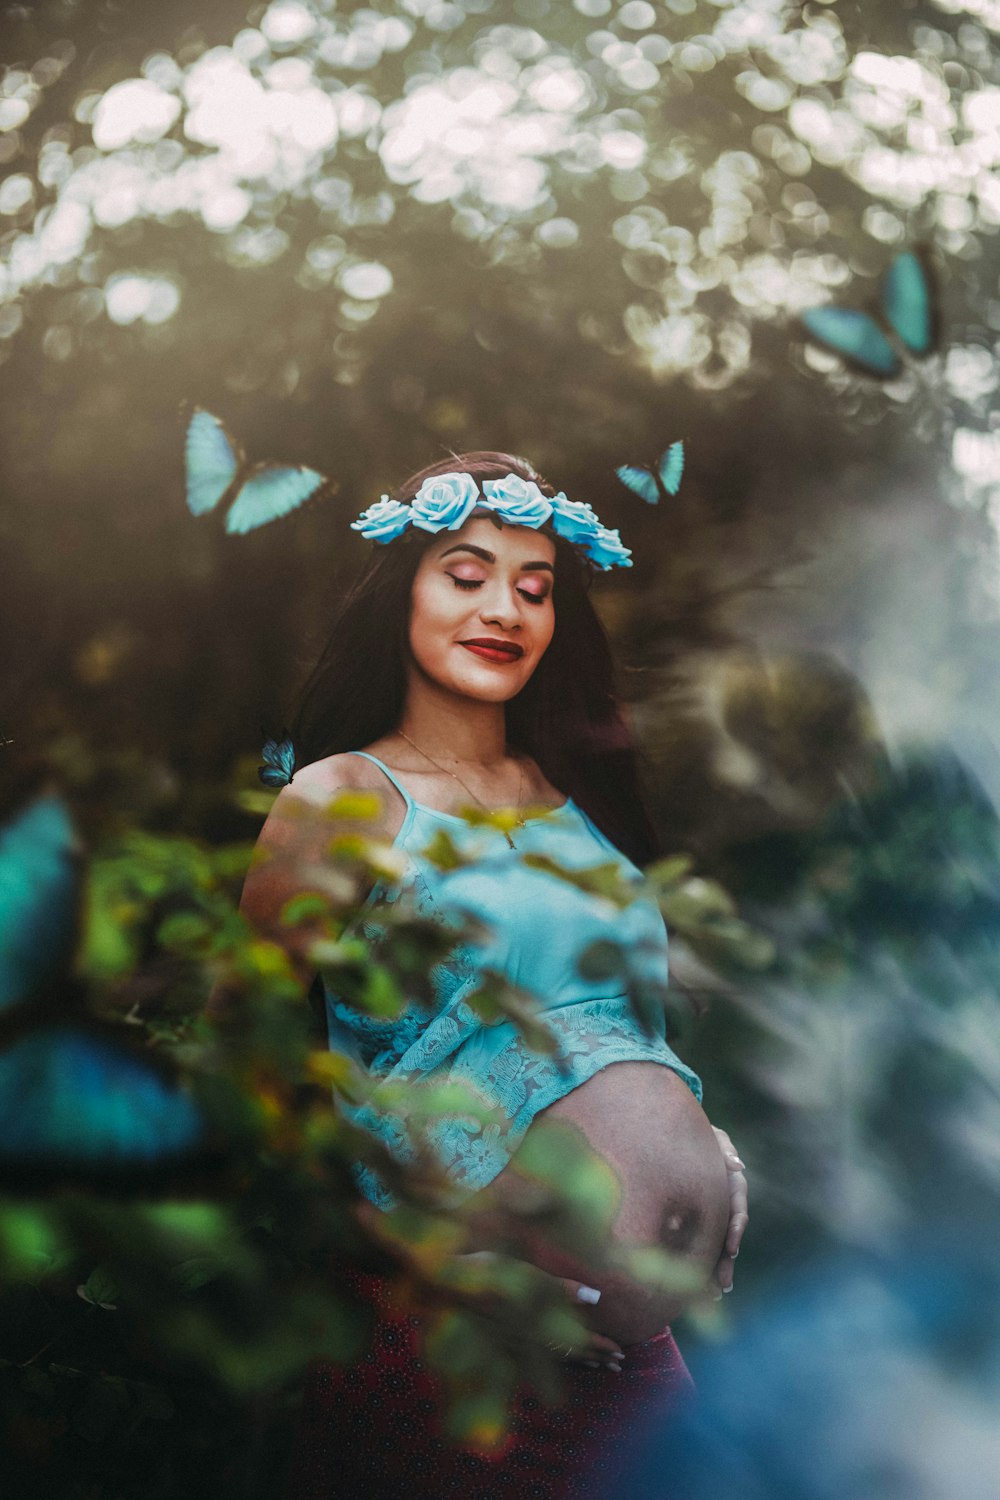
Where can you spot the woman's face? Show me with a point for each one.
(479, 584)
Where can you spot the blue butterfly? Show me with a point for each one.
(279, 762)
(904, 315)
(76, 1101)
(655, 483)
(217, 471)
(38, 857)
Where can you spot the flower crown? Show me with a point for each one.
(445, 501)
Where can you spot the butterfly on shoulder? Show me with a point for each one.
(658, 481)
(903, 319)
(217, 472)
(279, 761)
(78, 1103)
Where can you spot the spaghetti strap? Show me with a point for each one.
(400, 788)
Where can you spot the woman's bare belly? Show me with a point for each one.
(644, 1122)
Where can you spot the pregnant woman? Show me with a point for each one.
(468, 668)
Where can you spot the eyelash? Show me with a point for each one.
(475, 583)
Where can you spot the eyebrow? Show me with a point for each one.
(491, 557)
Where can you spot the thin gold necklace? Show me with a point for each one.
(482, 804)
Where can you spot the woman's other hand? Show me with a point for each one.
(595, 1351)
(738, 1215)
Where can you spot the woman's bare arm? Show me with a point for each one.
(292, 856)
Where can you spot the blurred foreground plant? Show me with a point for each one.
(216, 1267)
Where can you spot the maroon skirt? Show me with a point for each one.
(372, 1430)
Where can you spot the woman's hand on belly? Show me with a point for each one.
(642, 1120)
(739, 1218)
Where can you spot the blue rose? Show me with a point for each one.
(604, 548)
(517, 501)
(383, 520)
(445, 501)
(573, 519)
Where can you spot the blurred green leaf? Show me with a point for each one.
(601, 960)
(598, 880)
(664, 874)
(496, 999)
(305, 907)
(695, 902)
(443, 852)
(181, 1227)
(255, 800)
(354, 804)
(30, 1242)
(100, 1289)
(478, 1421)
(459, 1344)
(198, 1272)
(184, 932)
(660, 1271)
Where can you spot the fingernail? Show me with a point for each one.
(717, 1296)
(726, 1289)
(612, 1366)
(734, 1253)
(736, 1159)
(588, 1294)
(592, 1364)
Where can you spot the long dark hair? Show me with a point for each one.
(566, 717)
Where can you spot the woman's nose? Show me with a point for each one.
(502, 607)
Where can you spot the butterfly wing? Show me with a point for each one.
(279, 762)
(907, 298)
(641, 482)
(212, 462)
(855, 336)
(270, 492)
(671, 468)
(38, 897)
(76, 1104)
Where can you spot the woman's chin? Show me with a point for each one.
(481, 687)
(488, 687)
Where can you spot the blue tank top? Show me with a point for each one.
(534, 927)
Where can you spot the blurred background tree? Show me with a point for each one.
(367, 235)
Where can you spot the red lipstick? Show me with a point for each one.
(493, 650)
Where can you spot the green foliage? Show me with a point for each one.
(443, 852)
(146, 893)
(224, 1278)
(30, 1244)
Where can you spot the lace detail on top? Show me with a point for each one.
(536, 926)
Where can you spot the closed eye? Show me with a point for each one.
(476, 583)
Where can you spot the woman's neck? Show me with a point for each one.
(467, 731)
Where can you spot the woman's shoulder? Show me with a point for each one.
(322, 779)
(319, 782)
